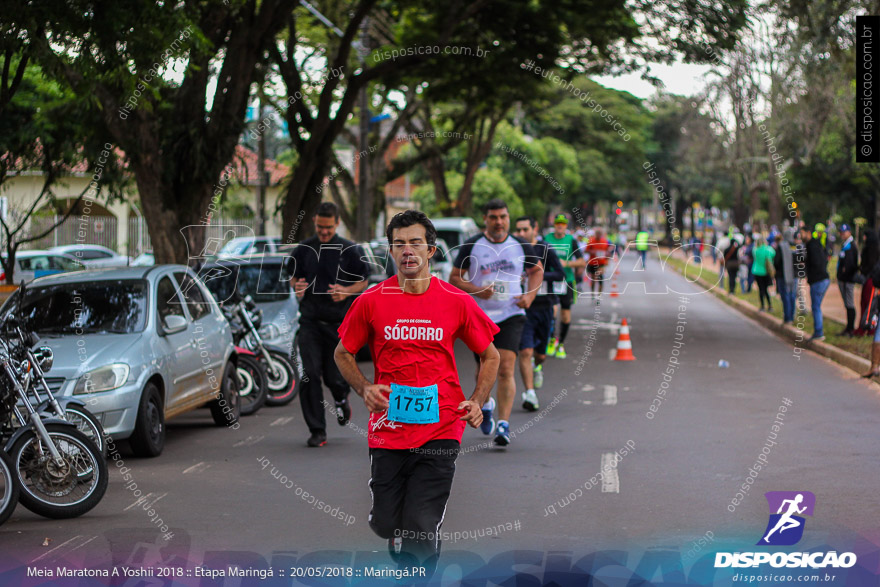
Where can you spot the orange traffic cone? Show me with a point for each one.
(624, 344)
(614, 293)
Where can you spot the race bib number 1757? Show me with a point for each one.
(413, 405)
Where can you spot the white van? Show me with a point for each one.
(455, 231)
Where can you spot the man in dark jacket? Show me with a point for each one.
(847, 268)
(815, 263)
(328, 272)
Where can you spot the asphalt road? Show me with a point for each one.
(214, 487)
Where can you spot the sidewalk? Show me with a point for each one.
(849, 352)
(832, 305)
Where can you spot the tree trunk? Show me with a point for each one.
(773, 202)
(436, 168)
(740, 214)
(478, 148)
(680, 206)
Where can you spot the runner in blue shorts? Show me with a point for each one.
(539, 316)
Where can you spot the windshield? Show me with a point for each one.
(118, 307)
(236, 247)
(452, 237)
(265, 282)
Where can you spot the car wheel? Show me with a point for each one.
(226, 409)
(148, 438)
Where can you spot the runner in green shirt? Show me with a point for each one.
(570, 255)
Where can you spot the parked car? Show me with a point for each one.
(250, 245)
(32, 264)
(145, 259)
(382, 256)
(139, 345)
(455, 231)
(265, 279)
(441, 262)
(93, 255)
(376, 263)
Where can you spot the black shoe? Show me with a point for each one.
(343, 412)
(317, 439)
(394, 547)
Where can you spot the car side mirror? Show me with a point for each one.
(173, 324)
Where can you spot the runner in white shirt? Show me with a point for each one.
(489, 266)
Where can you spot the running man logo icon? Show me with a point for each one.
(786, 526)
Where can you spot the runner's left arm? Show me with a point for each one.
(534, 272)
(490, 359)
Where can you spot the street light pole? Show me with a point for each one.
(261, 172)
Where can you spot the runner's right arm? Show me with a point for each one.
(354, 333)
(372, 394)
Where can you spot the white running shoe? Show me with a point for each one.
(530, 401)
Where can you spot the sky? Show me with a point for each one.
(682, 78)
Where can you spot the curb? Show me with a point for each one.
(787, 332)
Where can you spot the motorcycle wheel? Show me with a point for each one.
(53, 491)
(87, 423)
(8, 488)
(253, 384)
(283, 379)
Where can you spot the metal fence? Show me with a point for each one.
(221, 229)
(102, 230)
(93, 230)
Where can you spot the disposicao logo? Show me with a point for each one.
(786, 528)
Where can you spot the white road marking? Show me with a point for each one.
(249, 441)
(584, 324)
(586, 401)
(610, 395)
(612, 353)
(139, 500)
(587, 387)
(281, 421)
(83, 544)
(197, 468)
(610, 481)
(45, 554)
(614, 318)
(158, 497)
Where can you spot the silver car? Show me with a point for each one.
(265, 279)
(32, 264)
(93, 255)
(138, 345)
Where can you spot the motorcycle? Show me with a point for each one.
(253, 385)
(70, 409)
(67, 408)
(8, 488)
(58, 471)
(283, 379)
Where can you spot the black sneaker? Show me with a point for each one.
(394, 547)
(343, 412)
(317, 439)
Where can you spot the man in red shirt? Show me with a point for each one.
(418, 410)
(597, 251)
